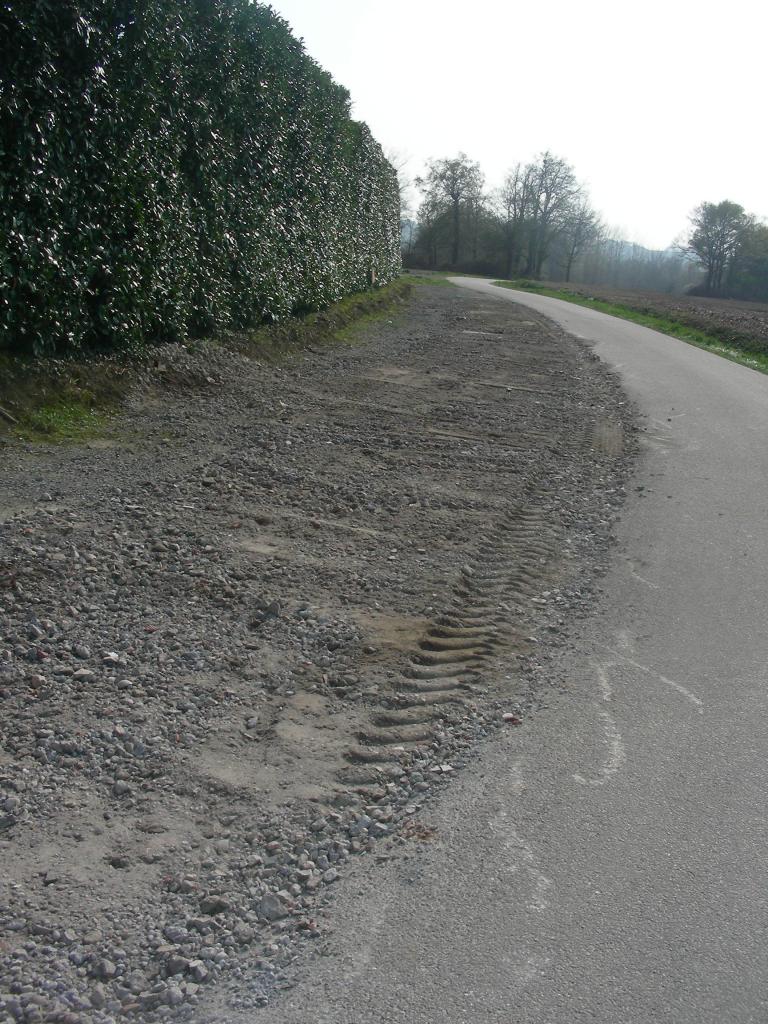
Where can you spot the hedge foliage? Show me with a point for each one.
(172, 168)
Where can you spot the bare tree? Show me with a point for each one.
(458, 183)
(512, 202)
(431, 229)
(554, 190)
(581, 229)
(405, 182)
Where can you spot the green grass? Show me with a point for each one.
(338, 324)
(754, 360)
(62, 421)
(430, 277)
(57, 401)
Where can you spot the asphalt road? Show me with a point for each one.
(608, 861)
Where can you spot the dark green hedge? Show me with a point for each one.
(174, 167)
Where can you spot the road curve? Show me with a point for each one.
(608, 862)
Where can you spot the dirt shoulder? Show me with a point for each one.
(250, 632)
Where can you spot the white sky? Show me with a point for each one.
(658, 104)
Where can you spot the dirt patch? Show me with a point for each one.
(247, 640)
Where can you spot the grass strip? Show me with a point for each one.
(755, 360)
(435, 277)
(62, 420)
(337, 324)
(69, 400)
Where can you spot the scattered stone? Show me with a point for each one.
(98, 997)
(105, 970)
(243, 933)
(272, 908)
(215, 905)
(174, 995)
(176, 964)
(171, 720)
(198, 970)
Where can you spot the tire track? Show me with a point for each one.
(483, 622)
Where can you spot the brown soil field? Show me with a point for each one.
(744, 324)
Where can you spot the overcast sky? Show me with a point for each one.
(658, 104)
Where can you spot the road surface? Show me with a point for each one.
(608, 861)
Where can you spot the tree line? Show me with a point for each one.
(541, 224)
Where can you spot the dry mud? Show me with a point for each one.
(249, 633)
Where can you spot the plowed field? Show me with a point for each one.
(744, 324)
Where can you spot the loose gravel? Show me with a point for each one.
(207, 614)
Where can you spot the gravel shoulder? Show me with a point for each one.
(253, 630)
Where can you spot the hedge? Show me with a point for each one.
(176, 167)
